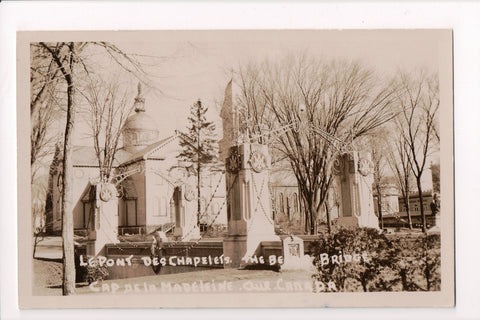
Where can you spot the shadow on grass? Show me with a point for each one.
(49, 259)
(275, 268)
(77, 285)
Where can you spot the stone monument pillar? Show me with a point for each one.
(249, 212)
(103, 220)
(355, 176)
(185, 210)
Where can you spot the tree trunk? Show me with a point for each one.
(307, 221)
(327, 213)
(422, 211)
(307, 207)
(68, 249)
(403, 277)
(313, 219)
(199, 205)
(67, 195)
(379, 207)
(427, 266)
(364, 285)
(407, 207)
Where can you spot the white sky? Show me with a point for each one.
(198, 64)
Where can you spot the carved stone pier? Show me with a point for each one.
(249, 211)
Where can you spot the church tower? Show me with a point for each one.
(140, 130)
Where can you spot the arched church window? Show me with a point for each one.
(60, 182)
(281, 207)
(294, 202)
(59, 208)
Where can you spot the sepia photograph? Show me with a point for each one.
(234, 168)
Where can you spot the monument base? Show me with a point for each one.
(363, 222)
(182, 234)
(254, 241)
(234, 248)
(294, 257)
(92, 249)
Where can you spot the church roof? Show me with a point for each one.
(84, 156)
(144, 153)
(282, 178)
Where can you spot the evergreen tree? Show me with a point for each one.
(199, 145)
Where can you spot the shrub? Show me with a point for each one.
(89, 273)
(418, 262)
(363, 259)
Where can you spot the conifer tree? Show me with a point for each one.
(199, 145)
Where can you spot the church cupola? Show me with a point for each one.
(139, 104)
(139, 130)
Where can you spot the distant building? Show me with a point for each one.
(400, 218)
(285, 196)
(414, 202)
(389, 198)
(393, 204)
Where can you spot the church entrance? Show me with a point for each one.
(179, 212)
(128, 220)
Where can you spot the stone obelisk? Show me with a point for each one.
(249, 211)
(355, 176)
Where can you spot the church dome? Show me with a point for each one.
(139, 130)
(140, 121)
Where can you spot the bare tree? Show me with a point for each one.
(397, 159)
(419, 102)
(378, 171)
(329, 203)
(328, 103)
(108, 109)
(65, 57)
(45, 106)
(255, 119)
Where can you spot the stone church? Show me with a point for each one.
(154, 188)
